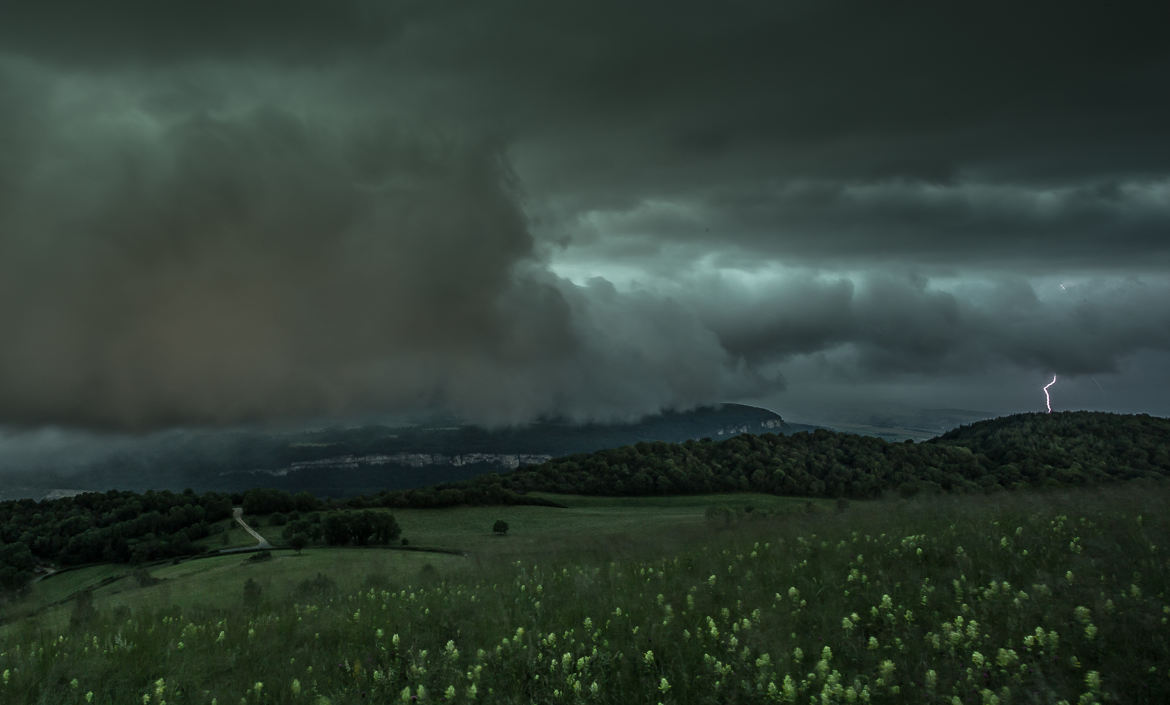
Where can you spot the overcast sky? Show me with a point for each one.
(219, 212)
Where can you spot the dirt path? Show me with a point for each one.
(238, 515)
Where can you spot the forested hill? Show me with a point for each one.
(1078, 441)
(1071, 448)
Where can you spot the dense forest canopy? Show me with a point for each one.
(1026, 450)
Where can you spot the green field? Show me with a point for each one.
(1026, 597)
(593, 525)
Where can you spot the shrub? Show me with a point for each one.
(316, 587)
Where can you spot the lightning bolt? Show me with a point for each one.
(1048, 399)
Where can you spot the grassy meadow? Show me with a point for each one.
(1007, 598)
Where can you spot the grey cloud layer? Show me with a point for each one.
(1028, 229)
(907, 325)
(220, 212)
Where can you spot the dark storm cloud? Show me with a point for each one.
(897, 325)
(77, 33)
(1115, 225)
(156, 267)
(221, 211)
(255, 258)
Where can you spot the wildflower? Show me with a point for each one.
(89, 697)
(789, 689)
(886, 669)
(931, 679)
(296, 687)
(663, 685)
(648, 657)
(1093, 681)
(977, 658)
(450, 692)
(594, 688)
(405, 695)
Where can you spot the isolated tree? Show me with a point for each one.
(298, 542)
(500, 527)
(385, 528)
(335, 529)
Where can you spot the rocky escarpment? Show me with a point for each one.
(503, 461)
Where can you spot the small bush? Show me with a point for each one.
(316, 587)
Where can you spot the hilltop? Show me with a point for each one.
(1024, 450)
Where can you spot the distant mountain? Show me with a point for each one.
(347, 461)
(900, 422)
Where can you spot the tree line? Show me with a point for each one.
(1026, 450)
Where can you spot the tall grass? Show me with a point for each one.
(1028, 598)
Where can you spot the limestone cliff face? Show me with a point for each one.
(766, 425)
(509, 461)
(502, 461)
